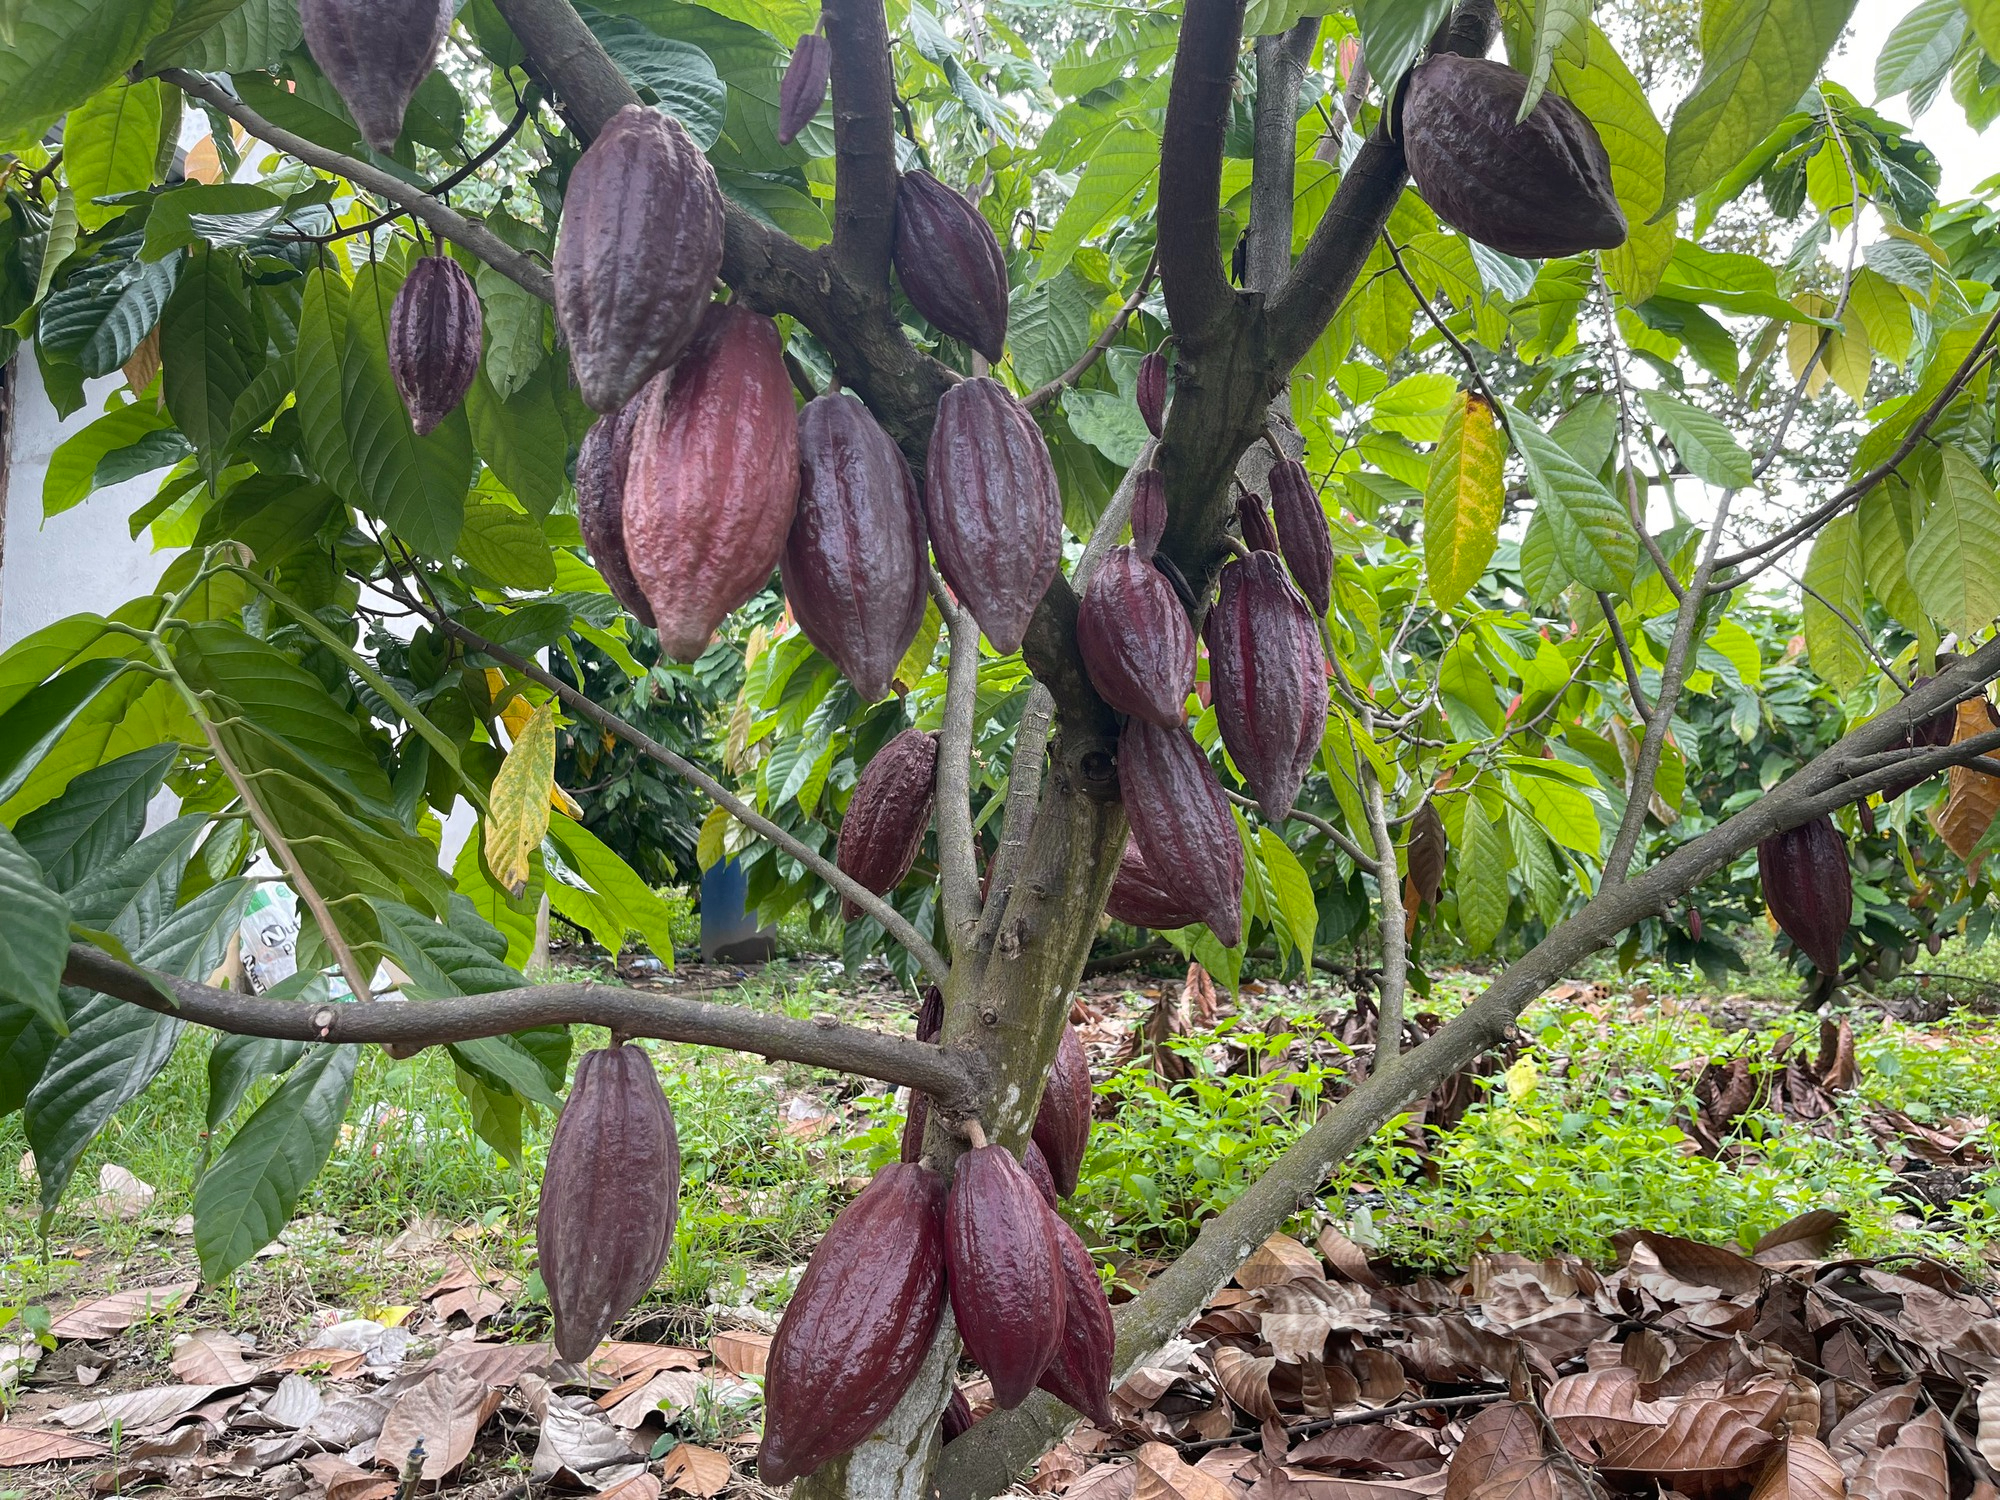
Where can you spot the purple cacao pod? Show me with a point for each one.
(434, 332)
(600, 506)
(1537, 187)
(857, 1329)
(1004, 1266)
(376, 53)
(1036, 1165)
(1152, 392)
(930, 1014)
(957, 1419)
(1149, 511)
(1182, 824)
(804, 88)
(854, 565)
(712, 481)
(949, 262)
(609, 1195)
(914, 1124)
(637, 255)
(1267, 679)
(1080, 1374)
(1135, 639)
(1303, 534)
(992, 507)
(1062, 1120)
(1137, 899)
(1258, 533)
(1933, 733)
(889, 813)
(1809, 888)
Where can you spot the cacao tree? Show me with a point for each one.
(467, 338)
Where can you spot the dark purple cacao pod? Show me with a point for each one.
(1153, 392)
(1149, 511)
(1005, 1272)
(857, 1329)
(854, 565)
(1062, 1120)
(600, 506)
(434, 332)
(1933, 733)
(1809, 888)
(1694, 923)
(1536, 188)
(1036, 1165)
(1138, 899)
(1303, 534)
(950, 264)
(804, 88)
(610, 1191)
(890, 812)
(930, 1014)
(1135, 639)
(1080, 1374)
(1267, 679)
(994, 512)
(914, 1125)
(712, 482)
(1182, 825)
(1258, 533)
(957, 1418)
(637, 255)
(376, 53)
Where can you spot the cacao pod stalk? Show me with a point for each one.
(889, 813)
(1182, 824)
(434, 332)
(1062, 1120)
(600, 507)
(1303, 534)
(1267, 677)
(1809, 888)
(803, 90)
(1004, 1267)
(1080, 1374)
(1135, 639)
(376, 54)
(949, 262)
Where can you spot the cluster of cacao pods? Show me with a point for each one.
(434, 339)
(376, 53)
(1809, 889)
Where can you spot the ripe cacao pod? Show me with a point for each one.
(890, 812)
(376, 53)
(858, 1327)
(1135, 639)
(1149, 511)
(930, 1014)
(600, 506)
(957, 1416)
(1537, 187)
(949, 262)
(1809, 888)
(1303, 534)
(854, 565)
(1255, 521)
(1080, 1374)
(1182, 825)
(804, 88)
(610, 1191)
(914, 1125)
(1933, 733)
(434, 332)
(1138, 899)
(1005, 1271)
(1152, 392)
(712, 482)
(1267, 678)
(994, 512)
(1036, 1165)
(637, 254)
(1062, 1120)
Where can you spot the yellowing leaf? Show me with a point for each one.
(519, 817)
(1836, 575)
(1462, 500)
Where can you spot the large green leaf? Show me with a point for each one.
(1483, 857)
(226, 36)
(615, 882)
(73, 468)
(1294, 913)
(1954, 563)
(522, 437)
(1703, 440)
(674, 75)
(109, 146)
(1835, 573)
(1602, 86)
(236, 1063)
(34, 937)
(38, 719)
(1885, 546)
(112, 1052)
(1592, 536)
(1462, 500)
(1395, 32)
(440, 960)
(132, 896)
(1919, 51)
(99, 816)
(1049, 326)
(26, 1041)
(1560, 810)
(206, 344)
(63, 51)
(1124, 163)
(316, 379)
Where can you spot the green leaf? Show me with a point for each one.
(507, 546)
(112, 1052)
(221, 213)
(1463, 499)
(1560, 810)
(1603, 87)
(1542, 572)
(1109, 422)
(100, 322)
(674, 75)
(73, 467)
(1483, 857)
(1394, 34)
(1954, 564)
(1295, 912)
(514, 319)
(206, 341)
(1554, 26)
(522, 439)
(316, 378)
(34, 938)
(133, 896)
(1985, 17)
(1835, 572)
(1885, 557)
(226, 36)
(60, 243)
(63, 51)
(439, 960)
(34, 723)
(616, 883)
(1049, 327)
(1592, 536)
(1124, 162)
(1918, 52)
(98, 816)
(1704, 442)
(236, 1063)
(109, 146)
(495, 1115)
(26, 1041)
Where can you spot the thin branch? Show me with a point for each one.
(958, 861)
(1281, 66)
(1853, 628)
(1044, 394)
(1625, 658)
(1464, 353)
(1199, 296)
(1395, 949)
(1333, 832)
(1635, 510)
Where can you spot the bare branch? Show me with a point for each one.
(1635, 509)
(1333, 831)
(957, 844)
(1395, 948)
(1625, 658)
(1281, 67)
(864, 141)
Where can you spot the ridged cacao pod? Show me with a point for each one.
(1152, 392)
(1080, 1374)
(1809, 888)
(1036, 1165)
(1149, 511)
(1303, 534)
(434, 331)
(1062, 1120)
(858, 1327)
(610, 1191)
(1538, 187)
(1258, 533)
(600, 507)
(1005, 1272)
(854, 566)
(993, 508)
(930, 1014)
(957, 1418)
(1182, 825)
(804, 88)
(914, 1125)
(376, 53)
(949, 262)
(1135, 639)
(1933, 733)
(637, 254)
(712, 482)
(1267, 677)
(1138, 899)
(890, 812)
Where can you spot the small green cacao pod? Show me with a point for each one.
(434, 333)
(600, 506)
(376, 53)
(1182, 824)
(1080, 1374)
(890, 812)
(1135, 639)
(1062, 1120)
(1005, 1271)
(1267, 679)
(1303, 534)
(803, 90)
(949, 262)
(1809, 889)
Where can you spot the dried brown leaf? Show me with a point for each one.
(1802, 1469)
(1989, 1422)
(1349, 1260)
(1697, 1265)
(1810, 1236)
(740, 1352)
(1911, 1468)
(1704, 1444)
(21, 1447)
(1498, 1438)
(1297, 1316)
(1163, 1475)
(134, 1412)
(340, 1480)
(1246, 1380)
(101, 1317)
(696, 1471)
(1371, 1449)
(212, 1357)
(444, 1411)
(1279, 1259)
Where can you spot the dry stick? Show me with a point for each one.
(1349, 1419)
(957, 859)
(1867, 642)
(1044, 394)
(1625, 658)
(1395, 947)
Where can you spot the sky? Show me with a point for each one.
(1967, 158)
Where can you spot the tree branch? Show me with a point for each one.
(1044, 394)
(864, 141)
(1199, 296)
(1644, 709)
(1395, 949)
(1333, 831)
(1281, 67)
(957, 844)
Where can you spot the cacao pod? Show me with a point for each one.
(994, 512)
(600, 506)
(1036, 1165)
(712, 482)
(1182, 825)
(637, 254)
(854, 567)
(1694, 923)
(1267, 677)
(858, 1327)
(1152, 393)
(890, 812)
(804, 88)
(1005, 1271)
(434, 332)
(949, 263)
(1255, 522)
(1809, 888)
(1933, 733)
(610, 1191)
(1135, 639)
(1062, 1120)
(1080, 1374)
(376, 53)
(1138, 899)
(1536, 188)
(930, 1014)
(914, 1125)
(1303, 534)
(957, 1416)
(1149, 511)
